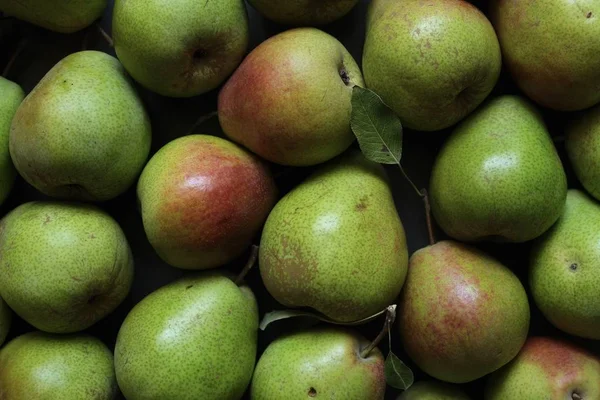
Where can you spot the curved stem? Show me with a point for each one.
(390, 317)
(105, 35)
(12, 60)
(202, 119)
(425, 196)
(249, 264)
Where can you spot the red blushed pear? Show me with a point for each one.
(549, 369)
(462, 314)
(203, 199)
(290, 99)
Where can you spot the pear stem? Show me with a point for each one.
(390, 317)
(425, 196)
(202, 119)
(249, 264)
(12, 60)
(105, 35)
(576, 396)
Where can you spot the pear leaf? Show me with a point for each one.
(397, 374)
(278, 315)
(376, 127)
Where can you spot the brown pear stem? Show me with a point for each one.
(249, 264)
(202, 119)
(425, 196)
(390, 317)
(105, 35)
(576, 396)
(12, 60)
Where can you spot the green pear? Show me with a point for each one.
(552, 49)
(203, 199)
(433, 390)
(180, 48)
(565, 268)
(582, 142)
(498, 176)
(290, 99)
(12, 96)
(462, 314)
(64, 266)
(192, 339)
(336, 243)
(322, 362)
(5, 320)
(549, 369)
(303, 12)
(432, 61)
(66, 16)
(82, 133)
(44, 366)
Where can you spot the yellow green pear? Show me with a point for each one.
(335, 243)
(582, 141)
(12, 96)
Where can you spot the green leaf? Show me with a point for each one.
(397, 374)
(278, 315)
(376, 127)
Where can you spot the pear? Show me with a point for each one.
(549, 369)
(462, 313)
(303, 12)
(432, 74)
(5, 320)
(44, 366)
(82, 133)
(582, 141)
(192, 339)
(433, 390)
(64, 266)
(323, 362)
(180, 48)
(552, 49)
(336, 243)
(203, 199)
(66, 16)
(290, 100)
(12, 96)
(498, 177)
(565, 268)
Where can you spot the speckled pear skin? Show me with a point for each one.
(552, 49)
(203, 200)
(82, 133)
(12, 96)
(45, 366)
(564, 273)
(180, 48)
(498, 177)
(462, 314)
(336, 243)
(432, 61)
(433, 390)
(290, 99)
(63, 266)
(303, 12)
(547, 368)
(66, 16)
(322, 362)
(5, 320)
(192, 339)
(582, 142)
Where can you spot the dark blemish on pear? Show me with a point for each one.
(47, 220)
(344, 75)
(589, 15)
(199, 54)
(312, 392)
(362, 204)
(573, 267)
(75, 278)
(189, 287)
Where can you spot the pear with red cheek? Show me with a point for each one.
(462, 314)
(549, 369)
(203, 199)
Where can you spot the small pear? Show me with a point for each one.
(303, 12)
(498, 177)
(5, 320)
(64, 266)
(462, 314)
(82, 133)
(44, 366)
(319, 363)
(65, 16)
(433, 390)
(582, 142)
(192, 339)
(336, 243)
(565, 268)
(12, 96)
